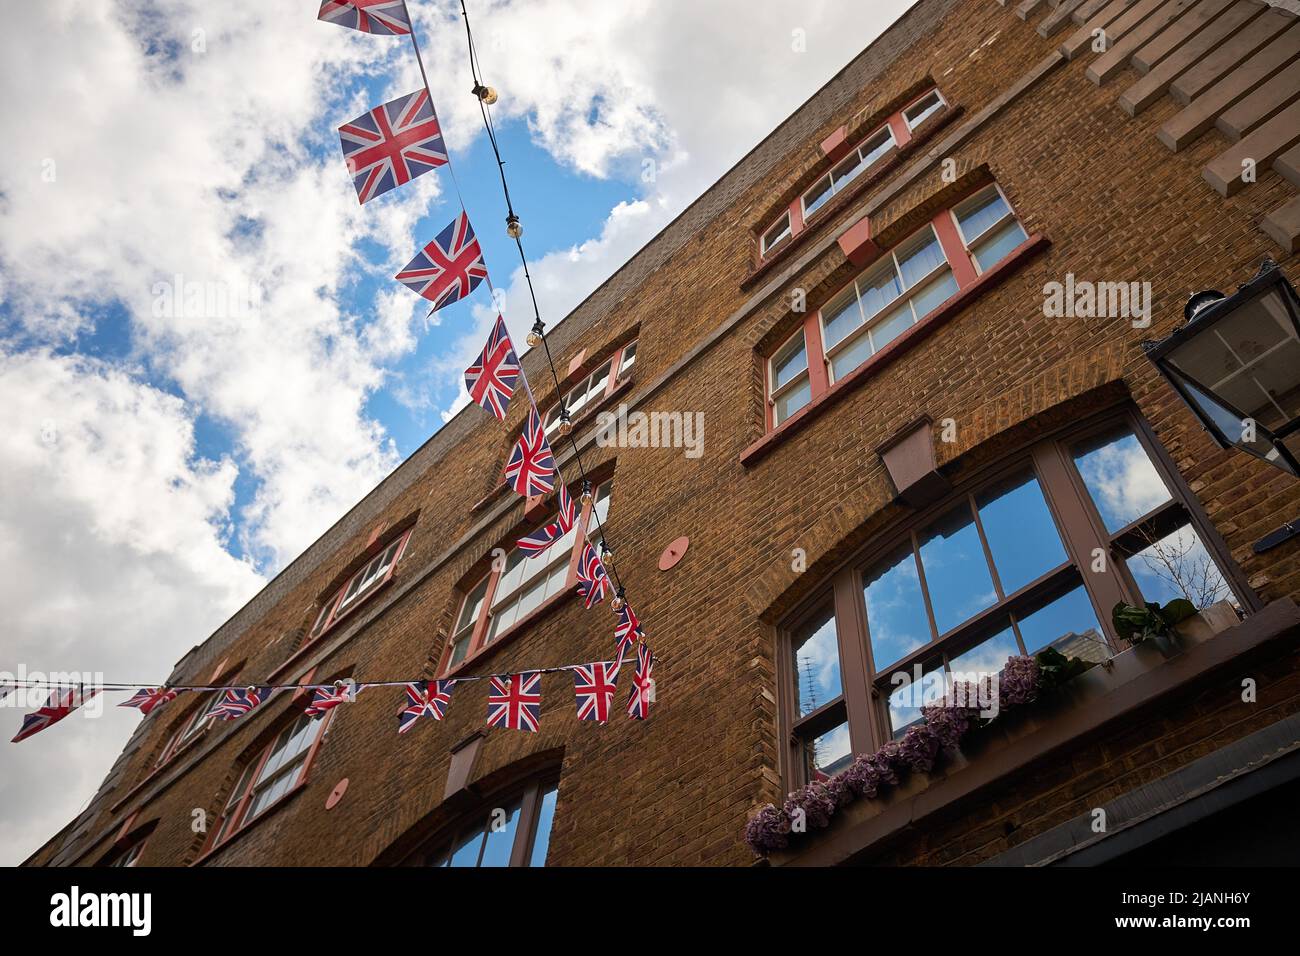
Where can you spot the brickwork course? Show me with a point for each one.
(1111, 201)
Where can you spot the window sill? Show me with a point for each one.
(270, 811)
(941, 315)
(837, 203)
(513, 631)
(1135, 680)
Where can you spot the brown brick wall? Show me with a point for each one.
(1115, 204)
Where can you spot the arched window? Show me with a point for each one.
(1033, 553)
(511, 830)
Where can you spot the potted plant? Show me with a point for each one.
(1151, 622)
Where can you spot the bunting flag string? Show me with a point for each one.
(491, 379)
(593, 582)
(380, 17)
(449, 268)
(541, 539)
(514, 699)
(643, 685)
(392, 144)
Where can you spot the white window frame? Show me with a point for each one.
(913, 124)
(773, 394)
(785, 233)
(361, 583)
(615, 368)
(973, 200)
(906, 295)
(861, 168)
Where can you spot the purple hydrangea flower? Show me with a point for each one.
(889, 761)
(948, 721)
(919, 747)
(1018, 682)
(767, 830)
(863, 777)
(815, 801)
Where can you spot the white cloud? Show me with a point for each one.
(112, 537)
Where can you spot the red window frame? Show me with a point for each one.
(234, 816)
(962, 261)
(900, 130)
(478, 633)
(333, 611)
(616, 372)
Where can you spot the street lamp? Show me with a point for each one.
(1236, 362)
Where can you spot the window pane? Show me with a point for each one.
(895, 609)
(920, 257)
(955, 569)
(828, 754)
(628, 359)
(793, 400)
(1120, 477)
(459, 649)
(847, 170)
(918, 112)
(1068, 624)
(545, 817)
(1020, 531)
(778, 232)
(496, 851)
(789, 362)
(877, 146)
(935, 294)
(878, 291)
(1178, 566)
(816, 197)
(817, 662)
(986, 658)
(891, 327)
(466, 852)
(473, 604)
(852, 355)
(906, 701)
(995, 247)
(981, 213)
(839, 319)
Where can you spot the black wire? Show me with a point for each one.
(510, 212)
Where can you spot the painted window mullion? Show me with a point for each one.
(954, 250)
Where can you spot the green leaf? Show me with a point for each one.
(1177, 610)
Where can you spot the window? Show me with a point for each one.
(271, 775)
(848, 169)
(780, 231)
(788, 373)
(506, 596)
(515, 831)
(988, 228)
(194, 725)
(360, 585)
(894, 133)
(900, 291)
(923, 109)
(906, 284)
(1002, 568)
(594, 387)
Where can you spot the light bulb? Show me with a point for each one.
(487, 94)
(606, 556)
(534, 336)
(565, 428)
(617, 603)
(586, 493)
(514, 229)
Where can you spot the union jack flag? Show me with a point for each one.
(327, 698)
(146, 699)
(531, 468)
(392, 144)
(424, 699)
(381, 17)
(552, 531)
(491, 379)
(449, 268)
(628, 630)
(593, 685)
(593, 582)
(516, 702)
(643, 685)
(236, 703)
(60, 703)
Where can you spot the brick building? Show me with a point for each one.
(857, 309)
